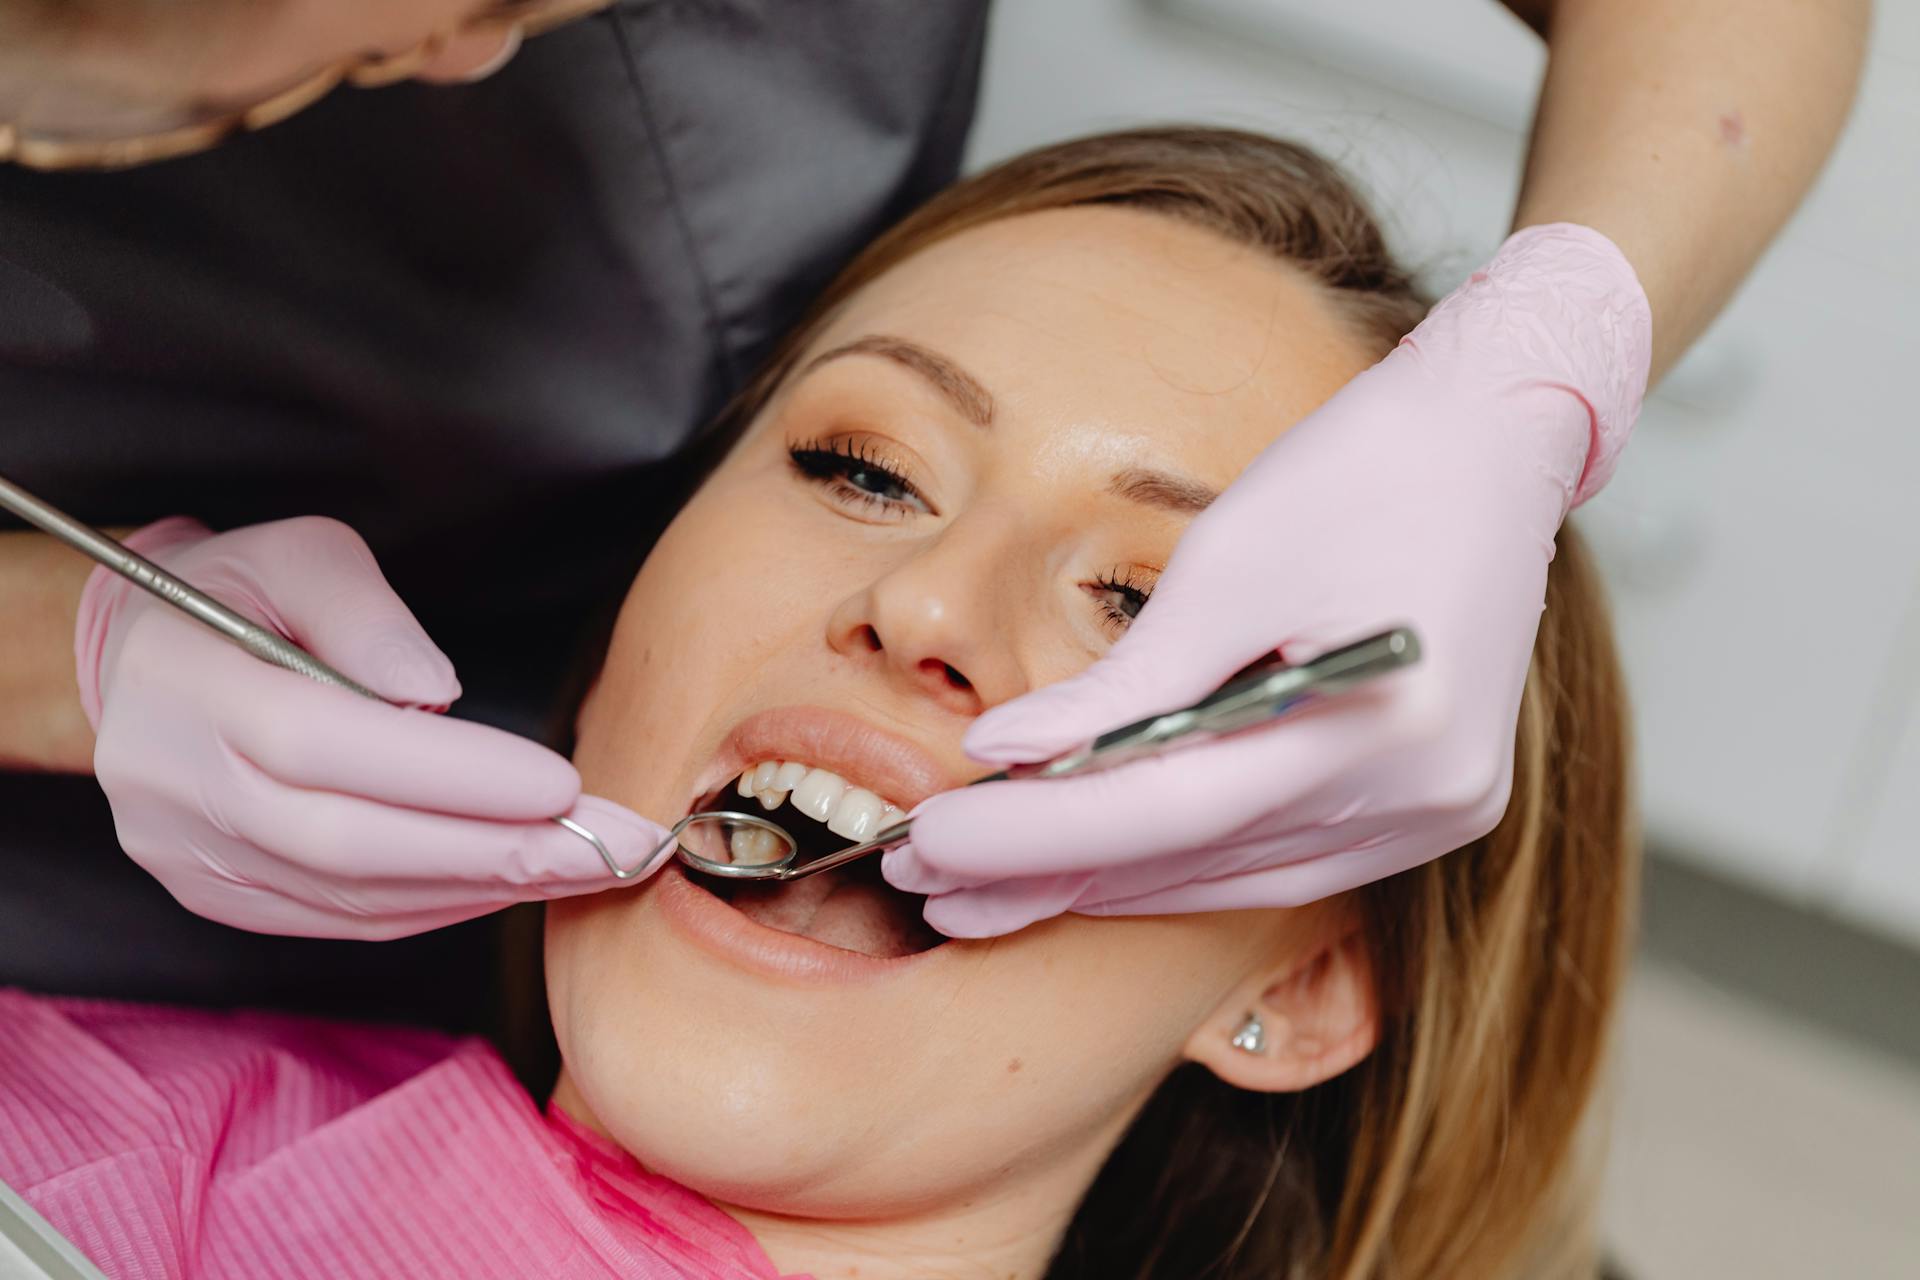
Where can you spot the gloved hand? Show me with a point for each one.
(1427, 491)
(265, 800)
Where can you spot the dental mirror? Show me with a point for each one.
(742, 846)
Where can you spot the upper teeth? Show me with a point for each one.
(853, 812)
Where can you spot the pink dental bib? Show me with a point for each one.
(174, 1143)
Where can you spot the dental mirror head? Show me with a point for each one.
(740, 846)
(744, 846)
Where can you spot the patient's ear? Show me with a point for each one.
(1298, 1024)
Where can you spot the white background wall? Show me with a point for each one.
(1761, 537)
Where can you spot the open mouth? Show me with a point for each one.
(850, 907)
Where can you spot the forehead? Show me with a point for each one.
(1120, 323)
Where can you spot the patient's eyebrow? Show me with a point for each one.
(1177, 494)
(959, 387)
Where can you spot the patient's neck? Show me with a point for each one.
(1009, 1233)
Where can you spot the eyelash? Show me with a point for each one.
(1133, 583)
(832, 464)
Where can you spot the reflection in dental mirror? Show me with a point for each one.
(734, 845)
(726, 843)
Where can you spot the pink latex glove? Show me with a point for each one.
(1428, 492)
(265, 800)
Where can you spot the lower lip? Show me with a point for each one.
(718, 929)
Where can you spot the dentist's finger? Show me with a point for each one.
(409, 758)
(469, 57)
(907, 872)
(1102, 820)
(1328, 865)
(1336, 869)
(311, 736)
(317, 581)
(348, 840)
(1005, 906)
(268, 910)
(1212, 795)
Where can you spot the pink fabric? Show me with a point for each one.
(173, 1143)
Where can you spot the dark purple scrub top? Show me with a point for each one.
(476, 323)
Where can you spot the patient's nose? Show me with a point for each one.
(930, 626)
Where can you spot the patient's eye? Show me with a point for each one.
(855, 472)
(1121, 592)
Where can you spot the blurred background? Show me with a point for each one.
(1764, 555)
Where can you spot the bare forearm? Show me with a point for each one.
(1686, 131)
(41, 723)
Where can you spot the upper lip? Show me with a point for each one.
(865, 755)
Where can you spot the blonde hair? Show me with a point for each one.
(1455, 1149)
(1459, 1148)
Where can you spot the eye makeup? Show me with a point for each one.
(859, 474)
(1120, 593)
(856, 472)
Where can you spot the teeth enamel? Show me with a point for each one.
(824, 796)
(857, 814)
(818, 793)
(754, 847)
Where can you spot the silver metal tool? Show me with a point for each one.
(268, 646)
(30, 1248)
(744, 846)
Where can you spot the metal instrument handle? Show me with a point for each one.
(30, 1241)
(1266, 690)
(885, 838)
(144, 573)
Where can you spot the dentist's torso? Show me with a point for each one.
(473, 323)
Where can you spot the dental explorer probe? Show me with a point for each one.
(268, 646)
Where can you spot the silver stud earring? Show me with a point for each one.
(1251, 1036)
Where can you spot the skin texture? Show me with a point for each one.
(42, 726)
(1686, 131)
(946, 1118)
(113, 66)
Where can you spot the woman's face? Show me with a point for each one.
(963, 493)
